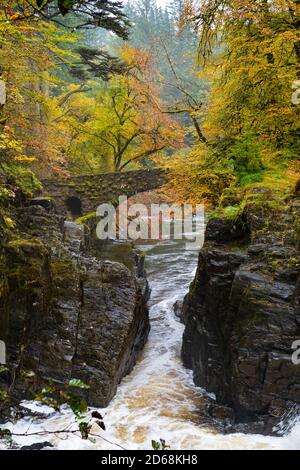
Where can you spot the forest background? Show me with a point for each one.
(204, 89)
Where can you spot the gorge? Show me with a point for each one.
(158, 399)
(114, 334)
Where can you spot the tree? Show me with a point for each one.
(187, 102)
(29, 53)
(172, 47)
(248, 50)
(125, 125)
(219, 18)
(37, 39)
(107, 14)
(95, 63)
(250, 76)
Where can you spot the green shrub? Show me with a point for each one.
(251, 178)
(245, 158)
(22, 178)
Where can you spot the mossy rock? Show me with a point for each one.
(60, 269)
(64, 277)
(27, 271)
(27, 246)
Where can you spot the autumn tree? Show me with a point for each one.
(252, 76)
(29, 52)
(159, 31)
(125, 126)
(38, 41)
(250, 53)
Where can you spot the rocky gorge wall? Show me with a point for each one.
(68, 311)
(242, 313)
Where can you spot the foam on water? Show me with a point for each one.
(158, 399)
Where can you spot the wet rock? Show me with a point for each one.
(288, 275)
(74, 236)
(37, 446)
(277, 408)
(222, 413)
(112, 329)
(242, 315)
(69, 313)
(177, 307)
(223, 230)
(256, 427)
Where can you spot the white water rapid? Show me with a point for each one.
(158, 399)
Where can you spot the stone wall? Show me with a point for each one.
(91, 190)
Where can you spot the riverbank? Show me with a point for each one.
(158, 399)
(242, 312)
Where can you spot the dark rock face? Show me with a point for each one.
(242, 314)
(111, 330)
(221, 231)
(37, 446)
(67, 311)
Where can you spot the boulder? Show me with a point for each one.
(37, 446)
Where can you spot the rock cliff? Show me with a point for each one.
(242, 313)
(68, 309)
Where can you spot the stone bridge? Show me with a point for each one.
(81, 195)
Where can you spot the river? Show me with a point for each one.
(158, 399)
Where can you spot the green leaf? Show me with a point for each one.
(3, 395)
(5, 433)
(84, 428)
(155, 445)
(159, 445)
(77, 404)
(27, 374)
(78, 383)
(48, 390)
(164, 446)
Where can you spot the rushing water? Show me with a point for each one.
(158, 399)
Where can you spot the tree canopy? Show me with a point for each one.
(105, 86)
(107, 14)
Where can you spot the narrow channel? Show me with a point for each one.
(159, 400)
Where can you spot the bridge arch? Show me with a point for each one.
(74, 206)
